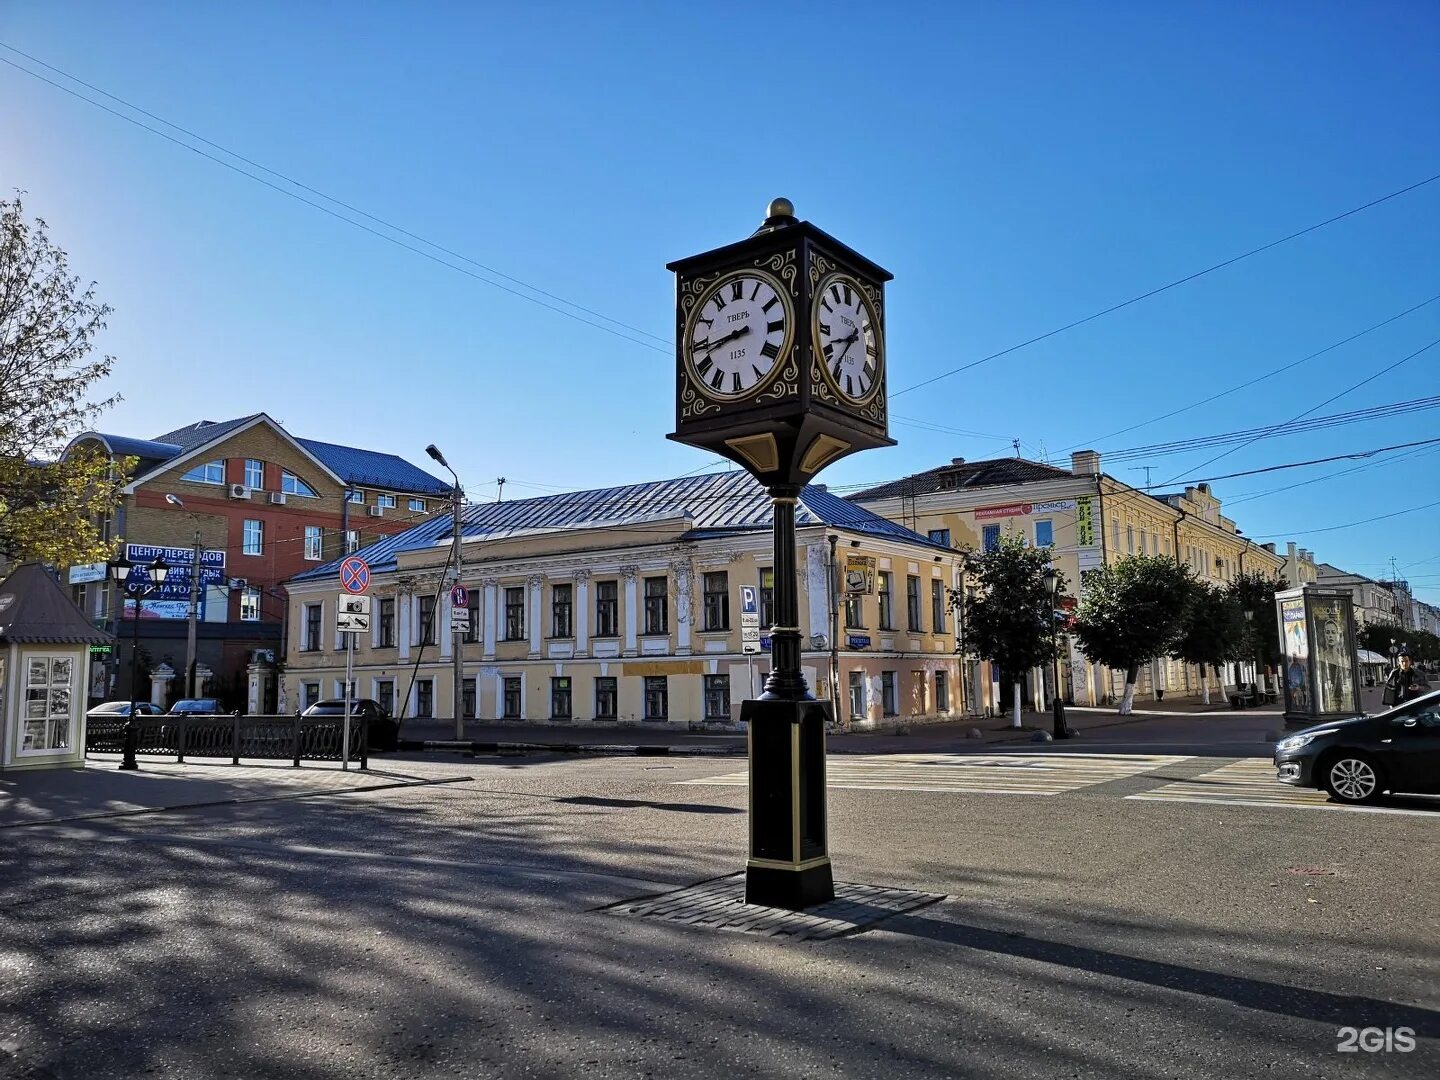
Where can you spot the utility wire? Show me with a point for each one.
(1351, 525)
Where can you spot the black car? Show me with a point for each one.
(118, 710)
(1359, 759)
(199, 706)
(383, 730)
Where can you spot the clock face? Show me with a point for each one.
(847, 338)
(738, 332)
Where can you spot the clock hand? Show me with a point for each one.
(710, 345)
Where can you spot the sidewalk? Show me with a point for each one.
(101, 789)
(489, 737)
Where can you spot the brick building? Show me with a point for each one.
(264, 506)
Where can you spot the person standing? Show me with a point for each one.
(1404, 683)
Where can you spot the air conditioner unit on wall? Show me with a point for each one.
(376, 511)
(239, 491)
(278, 498)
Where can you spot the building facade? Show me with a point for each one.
(262, 506)
(622, 606)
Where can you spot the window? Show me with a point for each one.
(656, 604)
(1044, 533)
(385, 696)
(515, 613)
(717, 601)
(425, 697)
(560, 698)
(386, 622)
(606, 705)
(888, 704)
(942, 692)
(252, 538)
(1130, 539)
(46, 720)
(657, 698)
(355, 495)
(857, 695)
(940, 536)
(607, 608)
(467, 698)
(937, 605)
(249, 605)
(767, 599)
(1115, 537)
(314, 542)
(887, 601)
(855, 610)
(510, 688)
(254, 474)
(309, 694)
(311, 641)
(418, 505)
(990, 537)
(427, 619)
(562, 606)
(387, 501)
(717, 697)
(212, 472)
(472, 630)
(352, 540)
(291, 484)
(912, 604)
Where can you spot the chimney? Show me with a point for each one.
(957, 461)
(1085, 463)
(1290, 553)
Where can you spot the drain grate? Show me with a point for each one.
(1311, 871)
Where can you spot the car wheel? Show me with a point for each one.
(1353, 778)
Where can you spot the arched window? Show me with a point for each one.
(291, 484)
(212, 472)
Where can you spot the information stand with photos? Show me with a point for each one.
(1320, 667)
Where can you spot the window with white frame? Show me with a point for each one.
(212, 472)
(418, 505)
(717, 697)
(249, 605)
(1044, 533)
(352, 540)
(355, 495)
(387, 501)
(291, 484)
(252, 538)
(314, 542)
(310, 640)
(889, 703)
(45, 720)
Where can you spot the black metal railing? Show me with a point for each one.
(292, 738)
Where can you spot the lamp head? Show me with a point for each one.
(1052, 580)
(436, 455)
(159, 570)
(175, 500)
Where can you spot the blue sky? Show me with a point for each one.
(1017, 167)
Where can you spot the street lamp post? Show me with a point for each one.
(1250, 632)
(192, 611)
(1052, 585)
(456, 637)
(140, 583)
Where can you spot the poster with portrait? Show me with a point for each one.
(1334, 669)
(1297, 656)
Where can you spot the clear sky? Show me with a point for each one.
(1017, 166)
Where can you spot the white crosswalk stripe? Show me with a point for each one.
(988, 774)
(1251, 782)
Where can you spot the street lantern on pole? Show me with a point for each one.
(1061, 728)
(140, 582)
(1250, 631)
(456, 637)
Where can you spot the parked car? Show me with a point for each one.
(200, 706)
(1359, 759)
(384, 731)
(113, 710)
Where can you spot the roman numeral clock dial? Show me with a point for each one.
(847, 338)
(740, 328)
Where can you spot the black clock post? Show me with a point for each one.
(780, 367)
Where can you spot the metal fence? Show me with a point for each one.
(296, 738)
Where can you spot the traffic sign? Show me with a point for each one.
(354, 574)
(747, 620)
(750, 633)
(750, 600)
(352, 614)
(460, 597)
(459, 620)
(750, 647)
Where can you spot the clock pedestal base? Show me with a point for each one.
(789, 864)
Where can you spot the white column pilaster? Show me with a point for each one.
(536, 583)
(631, 575)
(582, 612)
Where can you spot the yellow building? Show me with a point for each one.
(622, 606)
(1090, 519)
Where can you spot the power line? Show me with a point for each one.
(1164, 288)
(1353, 524)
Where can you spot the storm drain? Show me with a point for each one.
(719, 904)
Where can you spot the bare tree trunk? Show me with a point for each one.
(1015, 713)
(1127, 701)
(1205, 684)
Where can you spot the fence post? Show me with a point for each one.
(296, 762)
(180, 740)
(364, 742)
(235, 741)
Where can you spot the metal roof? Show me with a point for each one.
(369, 468)
(964, 475)
(203, 431)
(34, 610)
(715, 503)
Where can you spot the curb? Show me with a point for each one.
(634, 750)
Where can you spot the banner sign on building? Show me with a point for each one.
(177, 581)
(1084, 521)
(985, 513)
(164, 609)
(79, 575)
(174, 556)
(859, 574)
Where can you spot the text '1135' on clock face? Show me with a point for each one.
(740, 328)
(847, 337)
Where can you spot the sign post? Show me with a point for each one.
(352, 616)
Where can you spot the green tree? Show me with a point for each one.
(1131, 612)
(1215, 631)
(50, 508)
(1255, 591)
(1010, 620)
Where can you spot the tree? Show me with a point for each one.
(1214, 632)
(50, 508)
(1131, 612)
(1255, 591)
(1010, 621)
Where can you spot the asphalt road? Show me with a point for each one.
(1090, 928)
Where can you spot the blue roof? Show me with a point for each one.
(368, 468)
(203, 431)
(144, 449)
(717, 504)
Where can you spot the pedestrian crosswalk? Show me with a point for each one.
(985, 774)
(1251, 782)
